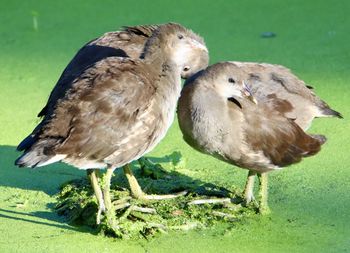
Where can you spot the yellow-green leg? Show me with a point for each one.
(263, 193)
(110, 211)
(135, 188)
(98, 193)
(107, 187)
(137, 192)
(249, 187)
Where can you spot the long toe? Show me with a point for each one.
(249, 197)
(163, 197)
(101, 209)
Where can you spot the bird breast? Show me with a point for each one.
(152, 124)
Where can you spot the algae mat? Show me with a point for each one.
(310, 201)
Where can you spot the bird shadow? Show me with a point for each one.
(46, 219)
(46, 179)
(153, 178)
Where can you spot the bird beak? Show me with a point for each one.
(246, 92)
(196, 44)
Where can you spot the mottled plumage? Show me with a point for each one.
(130, 43)
(281, 90)
(118, 108)
(216, 118)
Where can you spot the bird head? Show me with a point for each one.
(187, 49)
(228, 81)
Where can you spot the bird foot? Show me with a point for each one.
(264, 210)
(228, 203)
(101, 209)
(250, 200)
(162, 197)
(210, 201)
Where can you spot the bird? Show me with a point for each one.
(116, 110)
(280, 89)
(219, 115)
(283, 91)
(129, 42)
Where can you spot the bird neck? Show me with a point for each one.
(160, 57)
(158, 53)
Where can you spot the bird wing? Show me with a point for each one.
(281, 140)
(143, 30)
(278, 86)
(128, 42)
(103, 112)
(85, 58)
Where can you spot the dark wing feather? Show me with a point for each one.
(293, 94)
(143, 30)
(280, 139)
(85, 58)
(122, 44)
(100, 113)
(283, 106)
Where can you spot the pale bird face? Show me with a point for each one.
(231, 84)
(227, 85)
(190, 53)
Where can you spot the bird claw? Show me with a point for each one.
(101, 209)
(249, 199)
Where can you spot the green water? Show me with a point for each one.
(310, 201)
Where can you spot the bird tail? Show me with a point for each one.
(313, 144)
(38, 155)
(328, 112)
(26, 143)
(321, 138)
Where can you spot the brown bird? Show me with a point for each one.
(129, 42)
(278, 87)
(218, 115)
(116, 109)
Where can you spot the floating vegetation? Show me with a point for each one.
(204, 206)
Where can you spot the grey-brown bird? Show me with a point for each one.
(129, 42)
(279, 88)
(218, 115)
(116, 110)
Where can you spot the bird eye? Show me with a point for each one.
(180, 36)
(231, 80)
(186, 68)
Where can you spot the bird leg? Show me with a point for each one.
(137, 192)
(98, 193)
(107, 187)
(263, 193)
(249, 187)
(135, 188)
(110, 210)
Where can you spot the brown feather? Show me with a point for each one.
(280, 139)
(129, 42)
(115, 110)
(256, 137)
(278, 87)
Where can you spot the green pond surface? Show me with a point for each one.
(310, 201)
